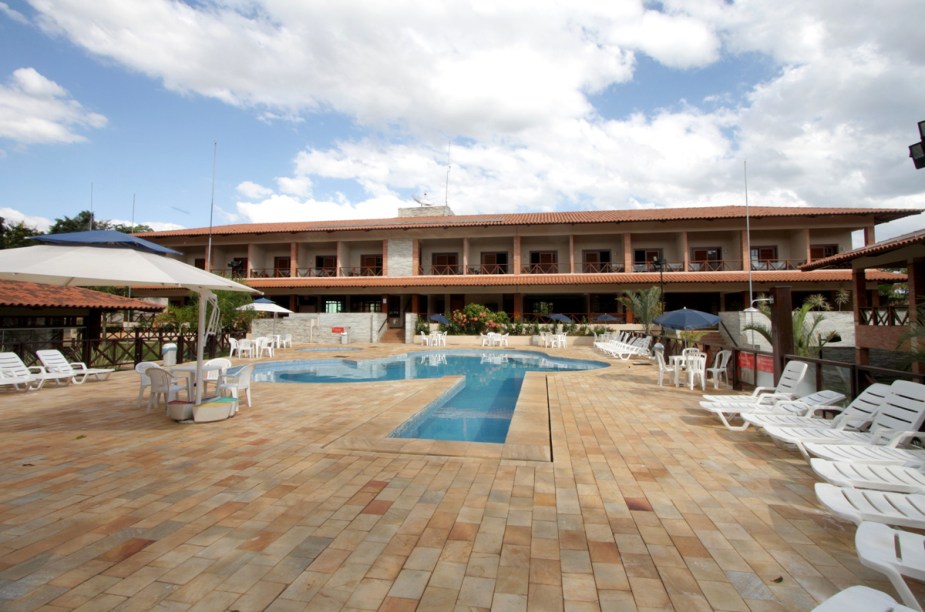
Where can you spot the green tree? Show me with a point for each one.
(15, 235)
(645, 305)
(807, 340)
(186, 317)
(915, 337)
(79, 223)
(131, 229)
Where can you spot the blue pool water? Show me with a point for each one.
(477, 410)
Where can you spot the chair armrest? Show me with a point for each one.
(899, 437)
(857, 423)
(36, 369)
(817, 411)
(79, 365)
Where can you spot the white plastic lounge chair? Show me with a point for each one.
(239, 381)
(728, 411)
(76, 371)
(719, 369)
(896, 478)
(13, 372)
(861, 599)
(790, 378)
(163, 387)
(902, 410)
(898, 420)
(859, 412)
(890, 454)
(856, 505)
(895, 553)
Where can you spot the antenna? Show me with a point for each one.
(423, 200)
(91, 206)
(446, 193)
(211, 209)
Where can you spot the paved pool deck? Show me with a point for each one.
(615, 494)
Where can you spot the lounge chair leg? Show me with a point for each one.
(731, 427)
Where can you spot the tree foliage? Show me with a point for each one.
(186, 317)
(807, 339)
(13, 235)
(645, 305)
(84, 221)
(915, 336)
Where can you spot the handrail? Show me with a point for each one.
(729, 334)
(381, 327)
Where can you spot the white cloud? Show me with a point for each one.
(253, 191)
(34, 109)
(12, 217)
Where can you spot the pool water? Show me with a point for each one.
(478, 410)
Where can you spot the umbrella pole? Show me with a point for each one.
(204, 295)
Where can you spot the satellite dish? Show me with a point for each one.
(422, 200)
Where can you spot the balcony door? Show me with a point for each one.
(444, 263)
(595, 261)
(643, 258)
(281, 266)
(371, 265)
(544, 262)
(706, 259)
(494, 263)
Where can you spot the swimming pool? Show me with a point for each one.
(479, 409)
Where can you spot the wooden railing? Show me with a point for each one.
(889, 315)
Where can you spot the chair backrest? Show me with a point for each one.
(223, 363)
(160, 379)
(903, 409)
(697, 363)
(54, 361)
(232, 344)
(13, 366)
(142, 369)
(791, 377)
(868, 402)
(689, 352)
(721, 360)
(243, 376)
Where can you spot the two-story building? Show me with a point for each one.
(429, 260)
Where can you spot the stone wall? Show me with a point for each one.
(317, 327)
(401, 260)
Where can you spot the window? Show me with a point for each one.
(706, 259)
(444, 263)
(595, 261)
(326, 265)
(544, 262)
(818, 251)
(765, 258)
(281, 266)
(333, 306)
(200, 262)
(643, 258)
(371, 265)
(494, 263)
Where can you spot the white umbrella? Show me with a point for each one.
(265, 305)
(92, 259)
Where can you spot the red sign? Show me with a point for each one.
(746, 361)
(337, 330)
(765, 363)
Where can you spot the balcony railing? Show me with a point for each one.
(540, 268)
(889, 316)
(440, 270)
(777, 264)
(318, 272)
(488, 269)
(269, 273)
(361, 271)
(602, 268)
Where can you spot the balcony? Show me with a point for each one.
(488, 269)
(602, 268)
(777, 264)
(891, 316)
(318, 272)
(268, 273)
(540, 268)
(361, 271)
(440, 270)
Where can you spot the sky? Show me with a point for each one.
(185, 114)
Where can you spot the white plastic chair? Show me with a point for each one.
(696, 365)
(663, 367)
(286, 341)
(719, 368)
(214, 376)
(245, 347)
(425, 339)
(144, 380)
(233, 347)
(163, 386)
(897, 478)
(486, 339)
(233, 384)
(265, 346)
(861, 599)
(857, 505)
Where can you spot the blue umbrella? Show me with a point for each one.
(686, 318)
(605, 318)
(561, 318)
(439, 318)
(105, 238)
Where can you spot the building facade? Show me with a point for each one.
(579, 263)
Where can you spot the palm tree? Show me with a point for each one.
(645, 305)
(807, 341)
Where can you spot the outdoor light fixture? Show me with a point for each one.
(752, 309)
(917, 151)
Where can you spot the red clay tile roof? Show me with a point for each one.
(513, 280)
(879, 248)
(880, 215)
(34, 295)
